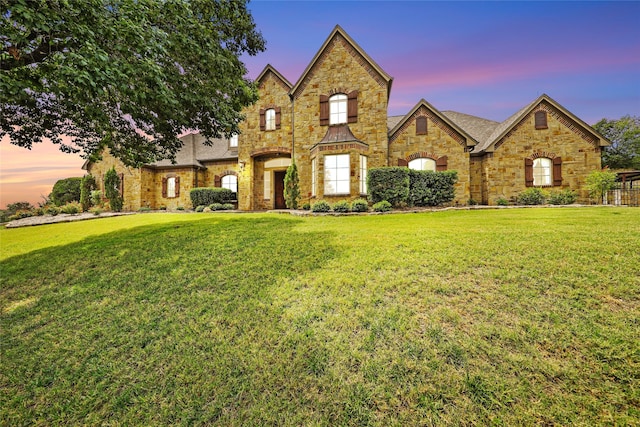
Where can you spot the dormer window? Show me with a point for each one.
(233, 141)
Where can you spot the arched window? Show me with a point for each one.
(423, 164)
(542, 171)
(270, 119)
(338, 109)
(230, 182)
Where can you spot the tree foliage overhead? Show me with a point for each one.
(122, 74)
(624, 134)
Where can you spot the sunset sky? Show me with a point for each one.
(487, 59)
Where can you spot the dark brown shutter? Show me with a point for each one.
(164, 187)
(441, 164)
(557, 171)
(263, 122)
(541, 120)
(121, 186)
(217, 181)
(352, 107)
(528, 172)
(421, 126)
(402, 162)
(277, 117)
(177, 186)
(324, 110)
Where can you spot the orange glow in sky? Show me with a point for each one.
(27, 175)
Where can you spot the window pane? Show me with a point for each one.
(338, 109)
(542, 171)
(171, 187)
(233, 142)
(423, 164)
(363, 175)
(270, 119)
(230, 182)
(337, 177)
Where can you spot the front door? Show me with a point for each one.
(278, 189)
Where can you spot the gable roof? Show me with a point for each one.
(399, 125)
(194, 151)
(480, 129)
(339, 32)
(269, 69)
(500, 131)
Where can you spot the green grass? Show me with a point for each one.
(505, 317)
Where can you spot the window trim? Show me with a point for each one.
(340, 174)
(363, 174)
(270, 119)
(338, 106)
(233, 141)
(222, 183)
(423, 161)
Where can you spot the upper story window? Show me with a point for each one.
(338, 109)
(230, 182)
(423, 164)
(541, 120)
(542, 171)
(270, 118)
(233, 141)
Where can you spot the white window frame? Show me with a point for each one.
(230, 182)
(314, 176)
(233, 141)
(337, 174)
(363, 174)
(423, 164)
(338, 109)
(171, 187)
(270, 119)
(267, 185)
(542, 172)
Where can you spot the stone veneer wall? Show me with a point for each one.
(436, 143)
(132, 179)
(273, 93)
(340, 69)
(504, 168)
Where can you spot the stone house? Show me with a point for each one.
(333, 123)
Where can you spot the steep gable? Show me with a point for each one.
(270, 72)
(339, 36)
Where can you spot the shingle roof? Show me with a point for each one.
(477, 127)
(392, 121)
(194, 151)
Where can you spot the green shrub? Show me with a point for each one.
(65, 191)
(71, 208)
(20, 215)
(342, 206)
(320, 206)
(502, 202)
(215, 206)
(599, 183)
(96, 210)
(180, 208)
(199, 208)
(144, 209)
(12, 208)
(472, 202)
(228, 207)
(429, 188)
(292, 186)
(564, 197)
(382, 206)
(388, 183)
(207, 195)
(112, 190)
(360, 205)
(52, 210)
(162, 208)
(532, 196)
(87, 186)
(306, 206)
(96, 198)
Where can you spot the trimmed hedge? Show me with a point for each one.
(388, 183)
(428, 188)
(401, 186)
(205, 196)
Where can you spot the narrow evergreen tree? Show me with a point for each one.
(292, 186)
(87, 185)
(111, 190)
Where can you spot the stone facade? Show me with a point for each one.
(333, 123)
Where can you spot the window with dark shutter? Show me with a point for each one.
(403, 162)
(528, 172)
(278, 117)
(352, 107)
(164, 187)
(177, 186)
(441, 164)
(541, 120)
(263, 121)
(421, 125)
(324, 110)
(557, 171)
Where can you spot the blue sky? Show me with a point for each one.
(483, 58)
(488, 59)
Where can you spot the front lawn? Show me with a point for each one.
(505, 317)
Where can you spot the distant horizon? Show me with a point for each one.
(486, 59)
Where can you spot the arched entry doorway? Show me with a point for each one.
(275, 170)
